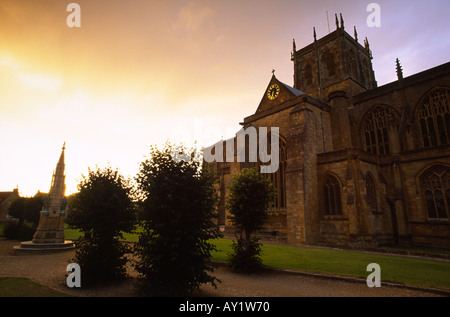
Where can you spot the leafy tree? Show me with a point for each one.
(27, 209)
(178, 211)
(33, 207)
(250, 194)
(17, 209)
(102, 209)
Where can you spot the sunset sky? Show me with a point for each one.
(141, 72)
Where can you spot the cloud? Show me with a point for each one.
(26, 77)
(8, 62)
(39, 81)
(194, 17)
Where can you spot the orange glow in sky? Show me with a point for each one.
(138, 73)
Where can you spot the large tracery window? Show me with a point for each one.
(278, 178)
(434, 118)
(332, 196)
(376, 130)
(436, 191)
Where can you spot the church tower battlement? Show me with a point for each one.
(334, 62)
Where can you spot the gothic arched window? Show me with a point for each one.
(352, 63)
(376, 130)
(332, 196)
(434, 118)
(278, 178)
(436, 191)
(330, 62)
(308, 74)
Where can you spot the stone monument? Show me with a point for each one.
(49, 236)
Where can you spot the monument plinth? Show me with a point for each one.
(49, 235)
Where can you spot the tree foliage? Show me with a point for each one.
(27, 209)
(178, 212)
(250, 194)
(17, 209)
(102, 209)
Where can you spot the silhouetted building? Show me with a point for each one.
(5, 200)
(360, 165)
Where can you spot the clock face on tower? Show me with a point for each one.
(273, 92)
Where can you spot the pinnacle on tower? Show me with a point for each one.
(399, 69)
(367, 47)
(366, 43)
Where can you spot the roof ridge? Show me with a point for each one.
(295, 91)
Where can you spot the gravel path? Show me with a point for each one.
(50, 270)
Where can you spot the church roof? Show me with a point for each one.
(286, 97)
(6, 194)
(286, 93)
(295, 91)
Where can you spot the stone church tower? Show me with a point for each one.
(336, 61)
(359, 165)
(333, 69)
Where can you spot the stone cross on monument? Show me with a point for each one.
(49, 235)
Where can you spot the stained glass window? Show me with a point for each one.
(436, 190)
(434, 119)
(332, 196)
(376, 130)
(278, 178)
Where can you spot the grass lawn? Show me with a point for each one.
(395, 269)
(411, 271)
(420, 272)
(23, 287)
(74, 234)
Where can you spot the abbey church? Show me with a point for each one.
(359, 165)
